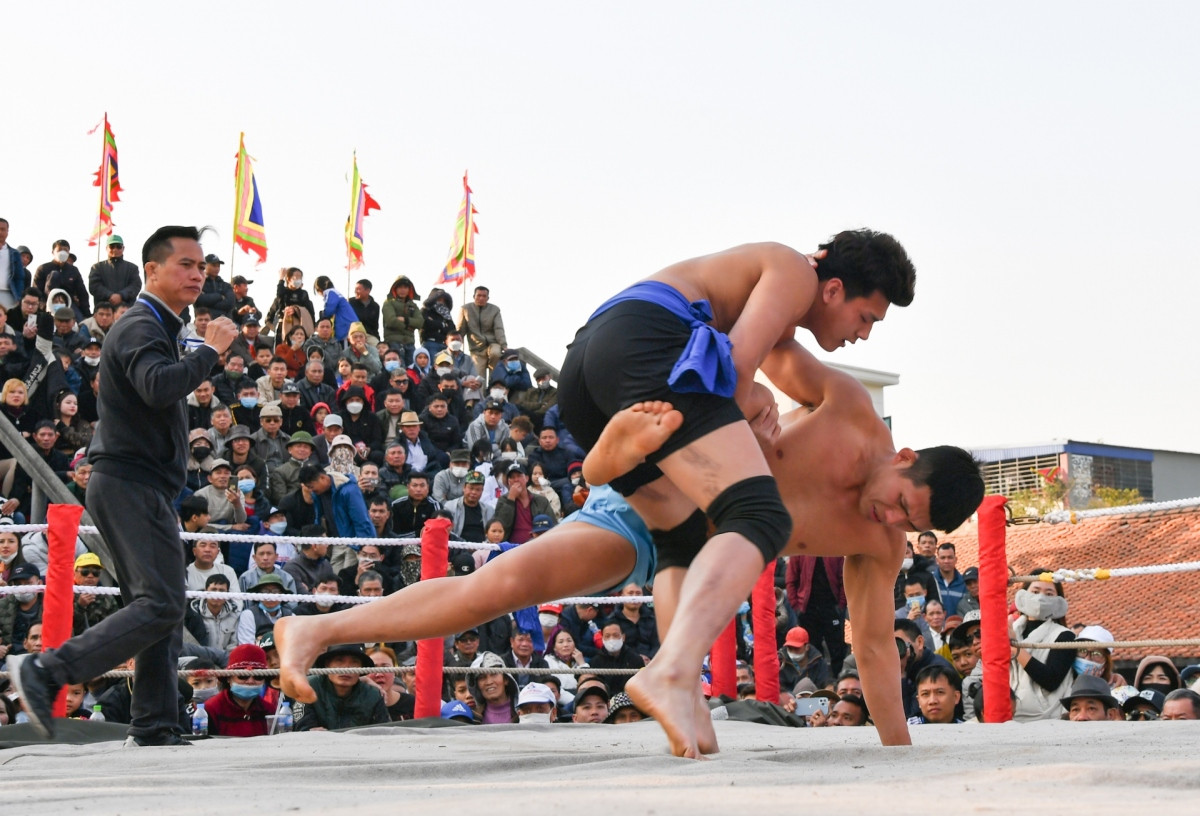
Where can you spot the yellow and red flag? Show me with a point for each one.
(248, 230)
(361, 205)
(460, 266)
(109, 184)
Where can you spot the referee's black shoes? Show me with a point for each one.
(37, 690)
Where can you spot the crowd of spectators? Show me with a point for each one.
(361, 419)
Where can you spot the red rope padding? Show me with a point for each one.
(723, 663)
(993, 610)
(766, 654)
(435, 539)
(58, 609)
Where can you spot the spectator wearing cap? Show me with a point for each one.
(114, 280)
(471, 515)
(60, 273)
(517, 508)
(1146, 704)
(1089, 700)
(970, 601)
(465, 648)
(286, 477)
(511, 371)
(449, 483)
(225, 508)
(615, 653)
(402, 316)
(343, 700)
(498, 391)
(800, 659)
(536, 705)
(259, 618)
(14, 272)
(243, 305)
(295, 416)
(67, 333)
(489, 426)
(421, 452)
(1181, 704)
(248, 342)
(270, 442)
(239, 710)
(218, 616)
(216, 295)
(360, 350)
(410, 512)
(458, 711)
(621, 710)
(90, 609)
(495, 694)
(200, 405)
(20, 610)
(535, 402)
(100, 322)
(239, 450)
(331, 429)
(938, 696)
(431, 382)
(87, 364)
(1157, 673)
(440, 425)
(592, 698)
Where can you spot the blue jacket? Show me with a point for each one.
(18, 275)
(950, 593)
(349, 510)
(341, 311)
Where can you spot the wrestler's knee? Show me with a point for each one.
(678, 546)
(754, 509)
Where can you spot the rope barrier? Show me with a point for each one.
(1103, 574)
(277, 539)
(286, 598)
(1121, 644)
(1075, 516)
(117, 674)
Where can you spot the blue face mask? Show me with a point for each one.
(248, 402)
(278, 527)
(513, 365)
(268, 609)
(1088, 667)
(391, 365)
(245, 692)
(246, 485)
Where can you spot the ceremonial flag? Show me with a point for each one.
(248, 231)
(109, 184)
(361, 205)
(460, 266)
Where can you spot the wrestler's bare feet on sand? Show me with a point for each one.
(630, 436)
(296, 655)
(672, 702)
(706, 736)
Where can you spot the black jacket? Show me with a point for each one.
(217, 296)
(368, 314)
(53, 275)
(445, 433)
(142, 433)
(119, 277)
(627, 658)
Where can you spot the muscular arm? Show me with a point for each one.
(869, 584)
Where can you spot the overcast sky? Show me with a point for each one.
(1038, 161)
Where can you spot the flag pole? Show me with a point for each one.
(237, 175)
(103, 180)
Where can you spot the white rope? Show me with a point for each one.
(1074, 516)
(286, 598)
(1069, 576)
(117, 674)
(354, 542)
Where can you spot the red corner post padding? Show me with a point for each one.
(723, 663)
(58, 604)
(766, 652)
(435, 548)
(993, 610)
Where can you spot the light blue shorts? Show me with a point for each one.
(606, 509)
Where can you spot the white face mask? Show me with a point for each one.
(92, 361)
(7, 559)
(62, 256)
(794, 655)
(442, 370)
(278, 527)
(458, 472)
(547, 620)
(24, 597)
(542, 481)
(615, 645)
(534, 718)
(456, 345)
(1040, 607)
(498, 393)
(906, 564)
(355, 408)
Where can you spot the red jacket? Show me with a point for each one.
(228, 719)
(799, 580)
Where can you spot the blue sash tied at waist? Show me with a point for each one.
(706, 364)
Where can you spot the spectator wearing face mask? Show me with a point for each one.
(1094, 657)
(1040, 678)
(60, 273)
(535, 402)
(799, 659)
(615, 654)
(536, 705)
(513, 373)
(498, 393)
(1157, 673)
(238, 710)
(449, 483)
(327, 587)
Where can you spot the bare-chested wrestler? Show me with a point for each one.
(848, 491)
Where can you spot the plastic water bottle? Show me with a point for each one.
(200, 721)
(284, 721)
(97, 715)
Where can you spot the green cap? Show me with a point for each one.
(116, 239)
(300, 436)
(474, 477)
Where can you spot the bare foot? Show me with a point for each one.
(673, 704)
(706, 737)
(296, 654)
(630, 436)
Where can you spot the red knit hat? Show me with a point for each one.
(248, 656)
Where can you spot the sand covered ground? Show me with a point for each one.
(1046, 768)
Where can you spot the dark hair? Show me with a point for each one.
(377, 499)
(1058, 587)
(158, 246)
(914, 578)
(489, 291)
(322, 283)
(449, 377)
(365, 284)
(308, 473)
(437, 396)
(200, 310)
(907, 627)
(930, 534)
(105, 305)
(193, 506)
(278, 359)
(229, 357)
(867, 261)
(312, 530)
(5, 220)
(937, 672)
(954, 481)
(1185, 694)
(33, 290)
(61, 242)
(249, 385)
(359, 367)
(859, 703)
(260, 544)
(948, 546)
(417, 474)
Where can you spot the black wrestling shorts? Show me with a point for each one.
(623, 357)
